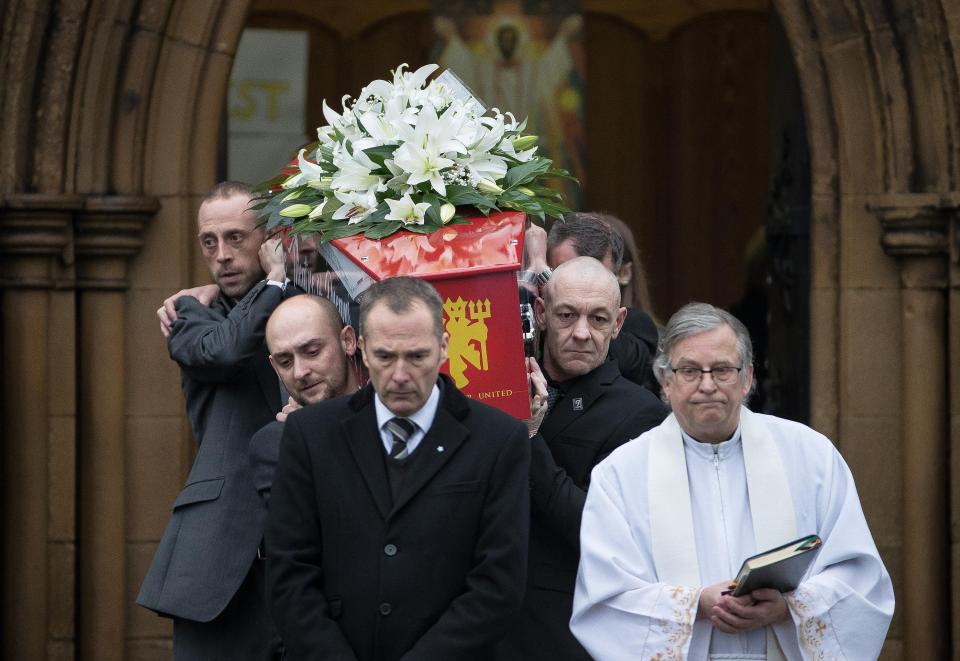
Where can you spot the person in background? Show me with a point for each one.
(634, 288)
(590, 235)
(312, 352)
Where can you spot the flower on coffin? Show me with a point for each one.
(355, 207)
(407, 211)
(355, 172)
(404, 154)
(422, 165)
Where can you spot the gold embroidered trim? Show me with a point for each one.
(812, 629)
(679, 628)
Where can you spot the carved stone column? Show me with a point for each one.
(915, 232)
(35, 241)
(107, 232)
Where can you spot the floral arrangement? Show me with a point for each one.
(405, 155)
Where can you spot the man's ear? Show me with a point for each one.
(618, 322)
(540, 313)
(361, 346)
(444, 343)
(748, 379)
(625, 275)
(348, 340)
(273, 364)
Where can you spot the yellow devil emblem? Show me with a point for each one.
(468, 336)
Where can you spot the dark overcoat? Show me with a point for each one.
(594, 414)
(437, 573)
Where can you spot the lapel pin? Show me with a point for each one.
(578, 403)
(439, 448)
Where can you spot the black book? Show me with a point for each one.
(780, 568)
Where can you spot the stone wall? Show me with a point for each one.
(111, 119)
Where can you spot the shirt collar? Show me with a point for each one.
(723, 449)
(423, 418)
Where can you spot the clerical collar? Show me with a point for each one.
(708, 450)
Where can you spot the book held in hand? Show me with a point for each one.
(780, 568)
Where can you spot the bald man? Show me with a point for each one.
(592, 410)
(312, 352)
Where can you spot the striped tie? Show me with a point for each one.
(401, 429)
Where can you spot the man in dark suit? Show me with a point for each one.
(399, 516)
(205, 573)
(592, 411)
(312, 352)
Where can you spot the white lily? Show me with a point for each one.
(413, 81)
(317, 210)
(523, 156)
(485, 166)
(488, 135)
(354, 172)
(356, 206)
(311, 173)
(422, 165)
(325, 135)
(439, 134)
(488, 186)
(447, 212)
(406, 211)
(382, 126)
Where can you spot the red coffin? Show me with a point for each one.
(473, 266)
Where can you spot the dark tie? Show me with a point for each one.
(401, 429)
(553, 394)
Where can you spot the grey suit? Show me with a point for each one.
(264, 454)
(209, 549)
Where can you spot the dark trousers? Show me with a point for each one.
(242, 632)
(541, 631)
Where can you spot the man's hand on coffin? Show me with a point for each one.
(272, 258)
(759, 609)
(167, 313)
(289, 408)
(538, 396)
(534, 248)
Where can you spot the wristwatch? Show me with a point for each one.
(532, 278)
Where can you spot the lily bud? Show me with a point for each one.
(489, 186)
(524, 142)
(446, 212)
(322, 184)
(526, 191)
(317, 211)
(295, 210)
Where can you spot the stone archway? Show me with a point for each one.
(880, 90)
(110, 127)
(111, 116)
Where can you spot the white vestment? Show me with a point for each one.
(625, 609)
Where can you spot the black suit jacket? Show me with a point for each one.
(594, 415)
(436, 575)
(634, 348)
(231, 391)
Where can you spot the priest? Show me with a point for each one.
(671, 515)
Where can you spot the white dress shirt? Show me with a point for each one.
(422, 420)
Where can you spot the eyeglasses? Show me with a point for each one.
(724, 374)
